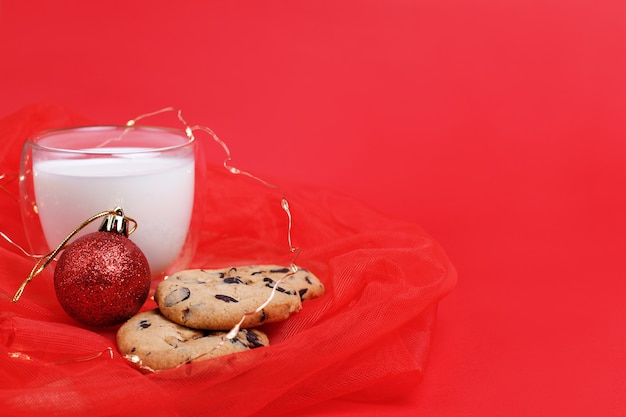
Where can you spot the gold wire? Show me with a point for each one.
(42, 263)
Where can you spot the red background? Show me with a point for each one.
(496, 126)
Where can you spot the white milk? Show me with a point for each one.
(155, 191)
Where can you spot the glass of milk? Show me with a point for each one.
(68, 175)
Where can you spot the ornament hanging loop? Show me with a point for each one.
(116, 220)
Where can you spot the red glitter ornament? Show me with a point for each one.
(103, 278)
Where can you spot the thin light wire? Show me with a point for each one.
(45, 260)
(230, 168)
(7, 179)
(293, 268)
(21, 249)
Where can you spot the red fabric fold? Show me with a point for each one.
(365, 340)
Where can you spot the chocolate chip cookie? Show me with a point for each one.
(154, 342)
(218, 299)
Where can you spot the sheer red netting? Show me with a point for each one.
(365, 340)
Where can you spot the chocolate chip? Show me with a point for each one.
(226, 298)
(302, 292)
(144, 324)
(233, 280)
(253, 339)
(270, 284)
(282, 271)
(263, 316)
(284, 291)
(236, 340)
(176, 296)
(308, 280)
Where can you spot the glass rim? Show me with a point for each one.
(33, 140)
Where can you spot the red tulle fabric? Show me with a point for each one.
(365, 340)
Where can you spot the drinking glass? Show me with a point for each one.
(68, 175)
